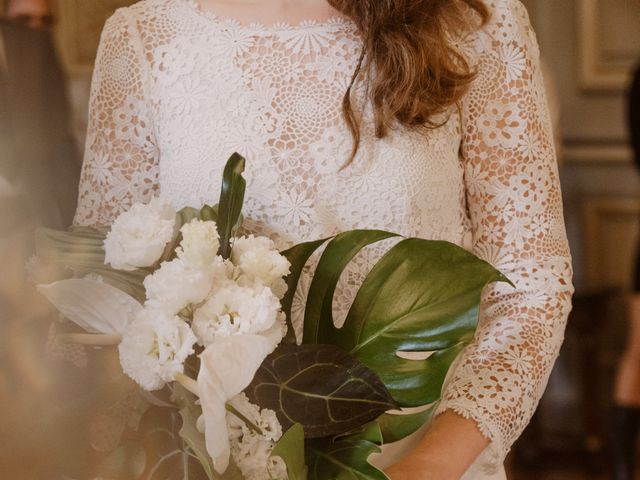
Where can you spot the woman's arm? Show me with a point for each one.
(450, 446)
(515, 208)
(121, 160)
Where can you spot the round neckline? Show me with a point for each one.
(335, 21)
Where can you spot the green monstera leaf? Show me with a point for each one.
(421, 296)
(290, 448)
(320, 387)
(345, 458)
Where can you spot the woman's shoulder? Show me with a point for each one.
(141, 13)
(508, 25)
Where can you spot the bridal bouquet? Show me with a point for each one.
(202, 315)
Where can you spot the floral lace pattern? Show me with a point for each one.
(177, 90)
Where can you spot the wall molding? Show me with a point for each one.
(596, 73)
(610, 234)
(596, 151)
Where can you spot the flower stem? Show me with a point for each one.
(90, 339)
(252, 426)
(188, 383)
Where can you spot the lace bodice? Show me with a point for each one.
(177, 90)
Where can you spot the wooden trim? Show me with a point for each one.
(608, 152)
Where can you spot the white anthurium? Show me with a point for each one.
(227, 367)
(92, 304)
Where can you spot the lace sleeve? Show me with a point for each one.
(515, 206)
(120, 162)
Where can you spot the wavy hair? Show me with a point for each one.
(419, 72)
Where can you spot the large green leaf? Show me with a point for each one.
(422, 296)
(231, 200)
(291, 449)
(318, 319)
(321, 387)
(345, 458)
(298, 257)
(395, 427)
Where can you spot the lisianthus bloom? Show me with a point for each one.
(235, 310)
(155, 347)
(259, 262)
(177, 284)
(200, 243)
(139, 236)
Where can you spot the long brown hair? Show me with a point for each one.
(419, 73)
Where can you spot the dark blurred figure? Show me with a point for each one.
(37, 156)
(626, 413)
(39, 170)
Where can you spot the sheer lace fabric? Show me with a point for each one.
(177, 90)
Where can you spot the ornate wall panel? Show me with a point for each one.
(609, 41)
(610, 233)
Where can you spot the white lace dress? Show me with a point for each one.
(177, 90)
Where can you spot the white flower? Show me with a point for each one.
(154, 348)
(259, 261)
(234, 310)
(92, 304)
(139, 236)
(176, 285)
(227, 367)
(250, 450)
(200, 243)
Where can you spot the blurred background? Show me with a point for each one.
(59, 401)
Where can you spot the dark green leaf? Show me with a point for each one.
(291, 449)
(422, 296)
(395, 427)
(321, 387)
(318, 318)
(346, 457)
(298, 257)
(231, 200)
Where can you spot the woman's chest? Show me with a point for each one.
(279, 103)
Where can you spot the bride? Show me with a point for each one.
(423, 117)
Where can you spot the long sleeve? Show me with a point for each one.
(515, 207)
(121, 159)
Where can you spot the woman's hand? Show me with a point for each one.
(450, 446)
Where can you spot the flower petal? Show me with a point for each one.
(93, 305)
(228, 366)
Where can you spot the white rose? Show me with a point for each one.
(154, 348)
(176, 284)
(234, 310)
(259, 261)
(139, 236)
(200, 243)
